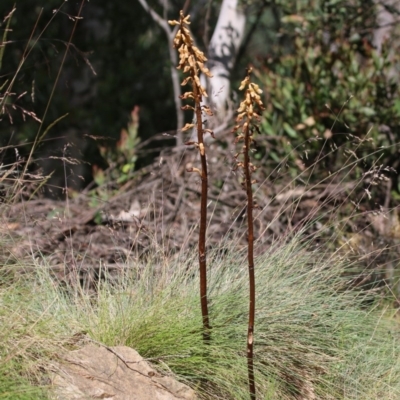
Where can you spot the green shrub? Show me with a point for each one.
(326, 84)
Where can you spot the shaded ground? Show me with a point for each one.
(158, 209)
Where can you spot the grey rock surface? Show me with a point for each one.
(115, 373)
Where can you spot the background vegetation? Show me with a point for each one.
(316, 60)
(321, 74)
(99, 107)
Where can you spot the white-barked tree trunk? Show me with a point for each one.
(223, 50)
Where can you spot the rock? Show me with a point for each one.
(115, 373)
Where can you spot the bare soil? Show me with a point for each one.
(97, 231)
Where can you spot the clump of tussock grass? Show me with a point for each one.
(13, 387)
(315, 339)
(23, 341)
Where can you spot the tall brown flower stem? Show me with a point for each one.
(203, 219)
(247, 120)
(250, 260)
(191, 61)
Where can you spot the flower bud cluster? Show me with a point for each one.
(248, 119)
(191, 59)
(192, 62)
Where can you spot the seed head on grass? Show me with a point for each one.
(191, 61)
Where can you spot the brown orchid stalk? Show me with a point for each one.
(191, 62)
(247, 122)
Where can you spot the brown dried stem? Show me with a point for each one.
(192, 60)
(247, 119)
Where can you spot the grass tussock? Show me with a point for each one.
(315, 340)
